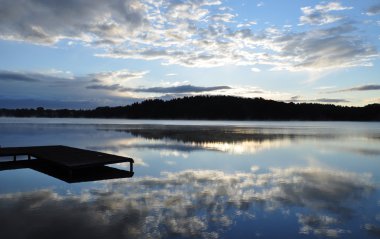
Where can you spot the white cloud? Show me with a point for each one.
(328, 48)
(189, 33)
(217, 45)
(119, 76)
(254, 69)
(319, 15)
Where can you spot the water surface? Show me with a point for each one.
(200, 179)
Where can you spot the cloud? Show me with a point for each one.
(373, 10)
(57, 77)
(47, 22)
(320, 100)
(181, 89)
(320, 225)
(319, 15)
(218, 45)
(191, 33)
(50, 104)
(358, 88)
(372, 229)
(18, 76)
(163, 90)
(327, 100)
(260, 4)
(329, 48)
(120, 75)
(223, 17)
(105, 87)
(295, 98)
(57, 90)
(191, 203)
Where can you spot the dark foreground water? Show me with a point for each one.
(197, 179)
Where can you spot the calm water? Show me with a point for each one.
(200, 179)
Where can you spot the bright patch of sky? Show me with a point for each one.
(88, 53)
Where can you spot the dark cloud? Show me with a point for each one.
(171, 89)
(33, 77)
(182, 89)
(51, 104)
(46, 22)
(358, 88)
(295, 98)
(59, 90)
(113, 87)
(374, 10)
(8, 103)
(326, 100)
(321, 100)
(257, 92)
(15, 76)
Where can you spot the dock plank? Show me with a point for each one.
(66, 156)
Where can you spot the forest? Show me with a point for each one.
(212, 108)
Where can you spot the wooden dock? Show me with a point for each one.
(66, 163)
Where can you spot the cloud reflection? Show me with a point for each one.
(319, 225)
(191, 203)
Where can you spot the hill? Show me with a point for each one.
(214, 108)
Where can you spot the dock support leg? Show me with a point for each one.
(131, 166)
(29, 157)
(14, 157)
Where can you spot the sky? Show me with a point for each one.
(90, 53)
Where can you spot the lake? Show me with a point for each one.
(199, 179)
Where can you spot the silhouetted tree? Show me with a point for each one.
(213, 108)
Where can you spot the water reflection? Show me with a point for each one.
(193, 203)
(235, 140)
(282, 179)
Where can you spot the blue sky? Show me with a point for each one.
(88, 53)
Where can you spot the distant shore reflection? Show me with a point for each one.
(234, 140)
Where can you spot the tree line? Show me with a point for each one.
(212, 108)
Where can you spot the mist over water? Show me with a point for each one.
(200, 179)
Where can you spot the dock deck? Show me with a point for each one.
(65, 156)
(66, 163)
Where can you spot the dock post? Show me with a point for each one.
(29, 157)
(14, 157)
(131, 166)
